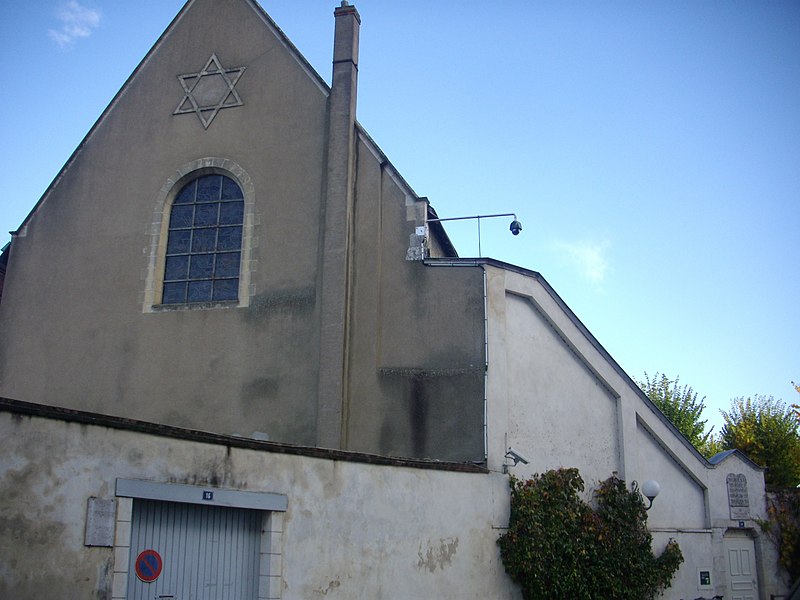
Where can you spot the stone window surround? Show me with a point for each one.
(158, 233)
(270, 557)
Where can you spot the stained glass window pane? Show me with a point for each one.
(203, 240)
(181, 216)
(199, 291)
(227, 265)
(231, 213)
(187, 193)
(230, 238)
(230, 191)
(226, 289)
(208, 188)
(201, 266)
(206, 214)
(179, 241)
(177, 267)
(174, 293)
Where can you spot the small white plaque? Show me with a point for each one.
(100, 517)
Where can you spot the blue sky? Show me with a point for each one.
(650, 149)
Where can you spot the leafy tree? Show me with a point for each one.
(682, 407)
(796, 407)
(767, 431)
(558, 547)
(713, 445)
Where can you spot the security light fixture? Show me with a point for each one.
(514, 455)
(514, 228)
(650, 489)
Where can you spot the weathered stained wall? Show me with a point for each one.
(72, 311)
(417, 333)
(80, 324)
(352, 530)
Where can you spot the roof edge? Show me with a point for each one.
(380, 155)
(367, 139)
(307, 67)
(586, 333)
(721, 457)
(75, 153)
(260, 12)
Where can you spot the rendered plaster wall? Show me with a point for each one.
(772, 580)
(559, 415)
(72, 310)
(684, 501)
(78, 309)
(352, 530)
(698, 549)
(416, 354)
(735, 464)
(556, 398)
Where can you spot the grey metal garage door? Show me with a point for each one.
(207, 552)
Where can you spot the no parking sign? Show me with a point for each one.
(148, 565)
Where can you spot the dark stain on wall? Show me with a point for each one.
(301, 300)
(433, 413)
(418, 416)
(260, 389)
(282, 407)
(31, 538)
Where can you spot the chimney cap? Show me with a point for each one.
(346, 9)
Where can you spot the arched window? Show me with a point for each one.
(204, 244)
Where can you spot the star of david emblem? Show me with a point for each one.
(209, 91)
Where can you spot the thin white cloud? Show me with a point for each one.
(77, 21)
(588, 257)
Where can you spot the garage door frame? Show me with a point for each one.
(272, 505)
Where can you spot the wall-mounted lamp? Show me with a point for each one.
(514, 228)
(515, 456)
(650, 489)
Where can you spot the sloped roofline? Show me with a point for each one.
(380, 155)
(304, 64)
(723, 456)
(384, 160)
(595, 343)
(293, 50)
(260, 12)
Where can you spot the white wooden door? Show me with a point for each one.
(742, 580)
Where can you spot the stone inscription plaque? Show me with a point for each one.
(738, 500)
(100, 517)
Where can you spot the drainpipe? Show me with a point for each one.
(336, 243)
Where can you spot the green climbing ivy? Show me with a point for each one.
(559, 547)
(783, 527)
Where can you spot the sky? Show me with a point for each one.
(651, 150)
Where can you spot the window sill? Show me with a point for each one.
(195, 306)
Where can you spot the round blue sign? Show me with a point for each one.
(148, 565)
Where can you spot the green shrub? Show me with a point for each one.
(559, 547)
